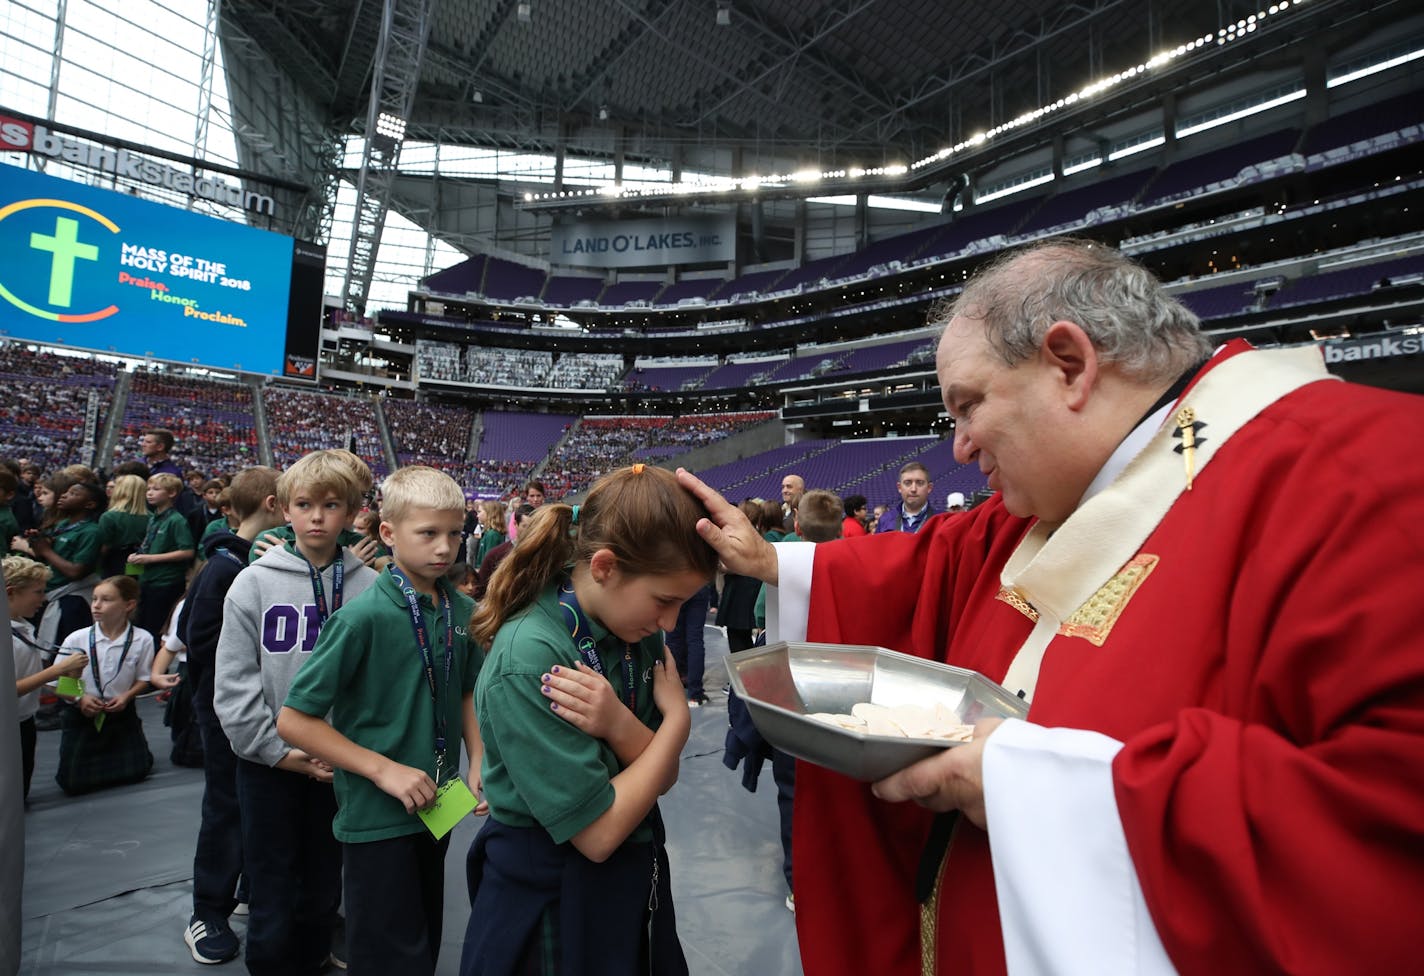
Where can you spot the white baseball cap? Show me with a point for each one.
(955, 498)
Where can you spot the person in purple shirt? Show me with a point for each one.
(914, 508)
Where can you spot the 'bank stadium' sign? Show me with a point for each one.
(1372, 347)
(644, 243)
(18, 135)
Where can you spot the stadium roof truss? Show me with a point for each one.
(722, 87)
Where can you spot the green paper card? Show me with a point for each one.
(69, 686)
(453, 802)
(99, 721)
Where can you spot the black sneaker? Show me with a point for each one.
(697, 701)
(211, 941)
(337, 959)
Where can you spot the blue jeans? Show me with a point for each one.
(293, 867)
(686, 640)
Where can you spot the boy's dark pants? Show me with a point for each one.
(154, 603)
(293, 868)
(217, 859)
(28, 737)
(395, 903)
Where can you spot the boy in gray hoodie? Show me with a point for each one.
(271, 618)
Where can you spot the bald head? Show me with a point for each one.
(792, 488)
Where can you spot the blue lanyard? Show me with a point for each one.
(423, 643)
(58, 533)
(94, 658)
(582, 633)
(319, 591)
(153, 526)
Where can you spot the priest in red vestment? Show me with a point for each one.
(1203, 569)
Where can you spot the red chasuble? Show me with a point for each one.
(1262, 659)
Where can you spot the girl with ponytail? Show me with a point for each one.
(583, 717)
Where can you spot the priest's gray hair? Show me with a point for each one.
(1131, 321)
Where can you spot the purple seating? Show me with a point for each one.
(602, 444)
(811, 273)
(946, 473)
(1187, 176)
(872, 358)
(507, 281)
(754, 283)
(901, 247)
(1216, 303)
(977, 225)
(629, 291)
(1074, 205)
(1368, 122)
(850, 462)
(689, 288)
(1358, 280)
(733, 376)
(759, 476)
(523, 437)
(664, 378)
(566, 291)
(463, 277)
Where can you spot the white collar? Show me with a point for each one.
(1130, 447)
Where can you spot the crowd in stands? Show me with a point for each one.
(507, 367)
(601, 444)
(438, 361)
(299, 422)
(585, 371)
(431, 434)
(212, 420)
(42, 414)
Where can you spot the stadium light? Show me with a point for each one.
(390, 126)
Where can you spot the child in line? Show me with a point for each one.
(165, 554)
(9, 524)
(272, 617)
(396, 671)
(583, 719)
(70, 544)
(103, 742)
(123, 526)
(217, 857)
(25, 590)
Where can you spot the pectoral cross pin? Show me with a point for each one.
(1186, 423)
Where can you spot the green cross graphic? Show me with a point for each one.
(65, 247)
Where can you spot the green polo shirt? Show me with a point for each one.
(9, 528)
(285, 533)
(215, 527)
(77, 542)
(120, 529)
(366, 671)
(169, 533)
(539, 770)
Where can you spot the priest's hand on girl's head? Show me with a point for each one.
(728, 530)
(951, 780)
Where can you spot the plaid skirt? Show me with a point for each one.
(91, 759)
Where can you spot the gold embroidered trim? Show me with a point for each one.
(1094, 620)
(1015, 599)
(929, 912)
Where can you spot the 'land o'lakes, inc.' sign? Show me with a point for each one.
(644, 243)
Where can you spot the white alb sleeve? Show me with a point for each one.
(788, 604)
(1069, 898)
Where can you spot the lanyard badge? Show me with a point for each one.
(423, 644)
(581, 630)
(99, 681)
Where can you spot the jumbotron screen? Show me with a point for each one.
(106, 271)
